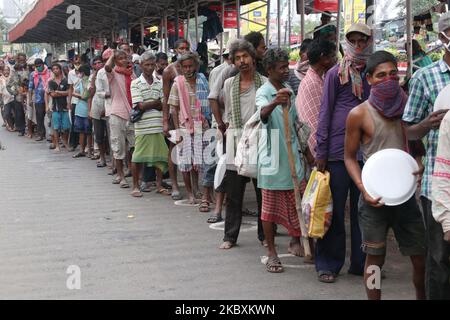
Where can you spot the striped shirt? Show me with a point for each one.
(141, 92)
(200, 92)
(441, 177)
(308, 104)
(424, 88)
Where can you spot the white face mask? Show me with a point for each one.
(446, 46)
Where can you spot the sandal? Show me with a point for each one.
(176, 195)
(116, 180)
(145, 187)
(101, 164)
(124, 184)
(273, 265)
(163, 191)
(79, 155)
(204, 206)
(136, 194)
(214, 219)
(326, 276)
(166, 185)
(95, 157)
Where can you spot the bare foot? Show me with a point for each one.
(57, 149)
(226, 245)
(296, 249)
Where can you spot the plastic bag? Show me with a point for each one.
(317, 204)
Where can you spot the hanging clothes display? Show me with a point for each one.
(212, 26)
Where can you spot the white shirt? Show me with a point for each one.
(73, 79)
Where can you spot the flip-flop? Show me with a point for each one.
(214, 219)
(176, 195)
(145, 188)
(204, 206)
(273, 265)
(166, 185)
(163, 191)
(326, 276)
(116, 180)
(101, 164)
(124, 184)
(136, 194)
(79, 155)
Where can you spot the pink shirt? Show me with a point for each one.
(119, 103)
(308, 104)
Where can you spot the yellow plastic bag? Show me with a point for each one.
(317, 204)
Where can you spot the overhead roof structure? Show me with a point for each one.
(46, 21)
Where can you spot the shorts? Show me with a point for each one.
(82, 125)
(405, 220)
(60, 120)
(100, 133)
(122, 136)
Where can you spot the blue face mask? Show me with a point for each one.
(12, 62)
(40, 68)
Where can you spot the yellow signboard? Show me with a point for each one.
(354, 11)
(257, 14)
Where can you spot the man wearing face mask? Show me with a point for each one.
(345, 87)
(191, 111)
(372, 126)
(73, 80)
(38, 85)
(424, 87)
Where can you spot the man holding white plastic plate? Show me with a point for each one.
(373, 126)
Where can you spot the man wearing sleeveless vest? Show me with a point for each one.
(372, 126)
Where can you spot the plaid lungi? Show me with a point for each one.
(190, 152)
(278, 206)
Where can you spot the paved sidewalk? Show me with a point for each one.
(57, 211)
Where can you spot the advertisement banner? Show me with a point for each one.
(230, 19)
(354, 11)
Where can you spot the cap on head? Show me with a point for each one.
(361, 28)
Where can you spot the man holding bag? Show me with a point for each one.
(345, 87)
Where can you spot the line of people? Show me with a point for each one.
(171, 116)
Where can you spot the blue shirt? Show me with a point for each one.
(82, 109)
(39, 92)
(274, 172)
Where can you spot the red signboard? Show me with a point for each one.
(326, 5)
(230, 19)
(312, 6)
